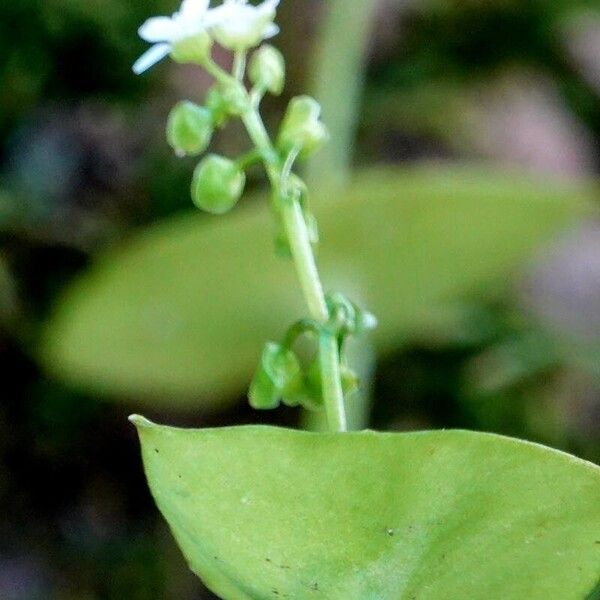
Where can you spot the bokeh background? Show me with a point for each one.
(498, 98)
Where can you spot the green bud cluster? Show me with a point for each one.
(281, 377)
(218, 182)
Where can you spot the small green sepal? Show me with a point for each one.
(193, 50)
(217, 185)
(189, 129)
(267, 69)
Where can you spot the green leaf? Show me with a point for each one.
(180, 314)
(264, 513)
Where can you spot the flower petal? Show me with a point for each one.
(157, 29)
(215, 16)
(220, 14)
(271, 31)
(155, 54)
(193, 9)
(269, 5)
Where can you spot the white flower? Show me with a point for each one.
(192, 19)
(240, 26)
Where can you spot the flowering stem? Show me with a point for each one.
(300, 244)
(239, 65)
(306, 267)
(333, 393)
(299, 239)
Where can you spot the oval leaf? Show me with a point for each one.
(263, 513)
(180, 314)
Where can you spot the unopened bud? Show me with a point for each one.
(217, 185)
(234, 98)
(302, 129)
(267, 69)
(189, 129)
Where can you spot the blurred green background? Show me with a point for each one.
(468, 223)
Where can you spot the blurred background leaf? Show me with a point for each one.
(181, 314)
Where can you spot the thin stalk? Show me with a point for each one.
(331, 381)
(248, 159)
(299, 239)
(239, 65)
(258, 134)
(337, 80)
(306, 267)
(217, 72)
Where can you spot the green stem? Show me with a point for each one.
(331, 381)
(217, 72)
(299, 239)
(258, 134)
(239, 65)
(306, 267)
(248, 159)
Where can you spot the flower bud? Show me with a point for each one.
(217, 185)
(267, 69)
(279, 374)
(226, 100)
(189, 129)
(301, 128)
(234, 97)
(192, 50)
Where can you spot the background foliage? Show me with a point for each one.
(84, 168)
